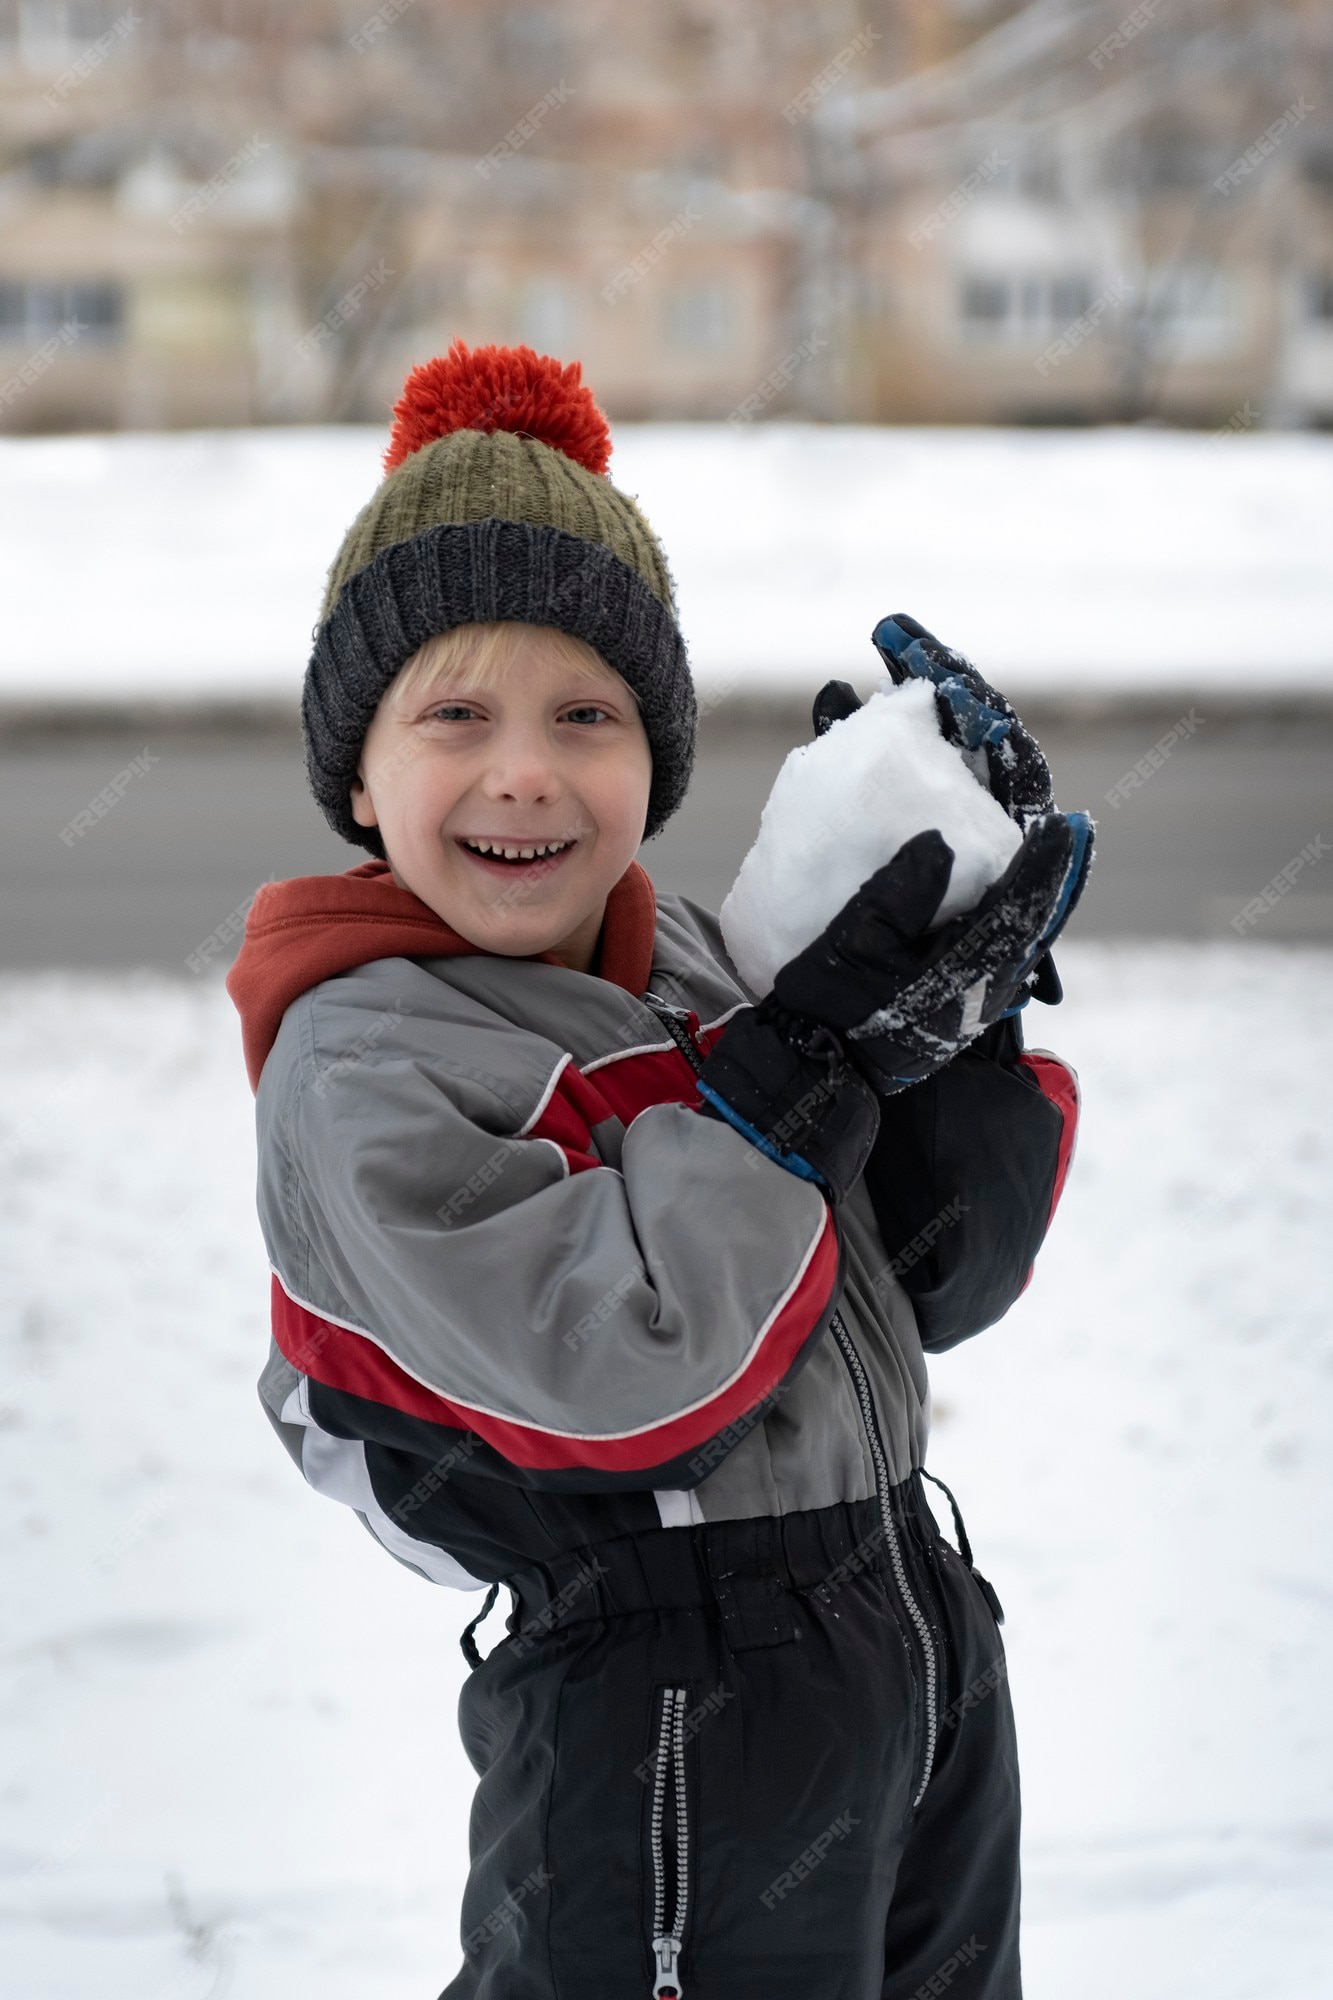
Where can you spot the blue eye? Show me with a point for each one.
(456, 707)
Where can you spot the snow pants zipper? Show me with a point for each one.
(669, 1804)
(861, 1384)
(682, 1024)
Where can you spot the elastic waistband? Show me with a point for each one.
(740, 1565)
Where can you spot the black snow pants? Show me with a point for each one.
(768, 1759)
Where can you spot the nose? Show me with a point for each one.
(521, 767)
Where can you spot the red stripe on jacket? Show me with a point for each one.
(352, 1362)
(567, 1117)
(1059, 1085)
(619, 1089)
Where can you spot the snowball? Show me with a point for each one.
(840, 807)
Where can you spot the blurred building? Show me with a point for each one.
(231, 211)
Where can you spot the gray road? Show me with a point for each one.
(213, 816)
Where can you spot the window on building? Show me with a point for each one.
(985, 302)
(1319, 296)
(1174, 159)
(1037, 176)
(47, 32)
(1317, 166)
(84, 159)
(32, 309)
(533, 38)
(1070, 298)
(1192, 293)
(699, 317)
(1021, 304)
(693, 35)
(1197, 309)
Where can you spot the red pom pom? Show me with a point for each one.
(500, 389)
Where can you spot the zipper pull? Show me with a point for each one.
(666, 1986)
(668, 1010)
(683, 1024)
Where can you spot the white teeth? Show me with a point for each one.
(517, 853)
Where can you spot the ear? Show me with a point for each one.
(363, 811)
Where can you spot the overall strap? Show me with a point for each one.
(964, 1546)
(465, 1638)
(987, 1589)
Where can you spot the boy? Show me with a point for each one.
(600, 1276)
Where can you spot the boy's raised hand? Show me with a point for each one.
(905, 1000)
(975, 717)
(877, 1002)
(984, 727)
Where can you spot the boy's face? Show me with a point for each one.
(552, 753)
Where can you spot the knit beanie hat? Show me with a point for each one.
(495, 505)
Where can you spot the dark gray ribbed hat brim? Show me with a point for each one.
(475, 572)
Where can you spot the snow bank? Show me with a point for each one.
(842, 805)
(192, 564)
(227, 1717)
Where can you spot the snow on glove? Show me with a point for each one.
(905, 1000)
(973, 716)
(983, 726)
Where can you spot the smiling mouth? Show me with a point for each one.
(532, 858)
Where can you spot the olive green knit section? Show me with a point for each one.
(471, 475)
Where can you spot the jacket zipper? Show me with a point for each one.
(680, 1023)
(670, 1759)
(675, 1019)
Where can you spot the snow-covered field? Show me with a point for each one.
(192, 564)
(228, 1756)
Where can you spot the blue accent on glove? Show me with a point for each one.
(1081, 828)
(978, 722)
(1080, 825)
(791, 1161)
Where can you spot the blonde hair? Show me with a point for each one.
(471, 657)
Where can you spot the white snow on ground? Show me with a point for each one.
(1118, 558)
(227, 1736)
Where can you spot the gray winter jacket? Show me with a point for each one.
(525, 1297)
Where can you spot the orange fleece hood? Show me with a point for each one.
(310, 927)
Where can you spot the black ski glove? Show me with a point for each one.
(784, 1080)
(984, 727)
(973, 716)
(877, 997)
(904, 1000)
(876, 1002)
